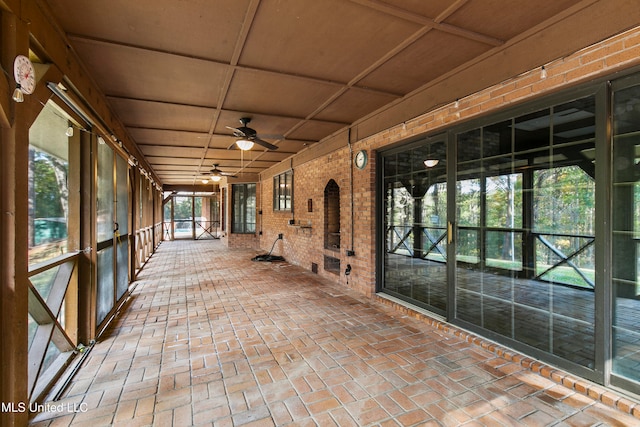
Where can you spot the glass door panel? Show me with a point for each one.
(105, 300)
(122, 225)
(626, 235)
(415, 224)
(525, 204)
(105, 231)
(112, 231)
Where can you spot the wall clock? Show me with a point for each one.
(24, 74)
(360, 159)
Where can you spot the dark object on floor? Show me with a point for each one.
(268, 257)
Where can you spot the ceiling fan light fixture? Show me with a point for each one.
(216, 178)
(244, 144)
(431, 162)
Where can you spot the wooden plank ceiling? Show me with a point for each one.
(178, 73)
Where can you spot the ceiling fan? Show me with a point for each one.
(217, 174)
(247, 137)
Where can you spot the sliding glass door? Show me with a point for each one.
(524, 227)
(625, 242)
(502, 239)
(525, 216)
(415, 225)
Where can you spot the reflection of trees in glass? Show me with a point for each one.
(48, 194)
(564, 201)
(468, 202)
(434, 206)
(49, 197)
(504, 201)
(401, 207)
(468, 193)
(504, 210)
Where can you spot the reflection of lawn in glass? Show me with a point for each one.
(561, 274)
(568, 276)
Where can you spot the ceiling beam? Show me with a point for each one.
(430, 23)
(234, 112)
(240, 42)
(233, 67)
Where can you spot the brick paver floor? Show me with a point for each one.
(211, 338)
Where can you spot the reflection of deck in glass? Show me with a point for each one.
(551, 317)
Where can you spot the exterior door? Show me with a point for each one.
(112, 232)
(415, 224)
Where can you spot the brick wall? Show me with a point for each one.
(304, 246)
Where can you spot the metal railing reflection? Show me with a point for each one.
(554, 255)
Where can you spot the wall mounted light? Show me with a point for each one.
(431, 162)
(543, 73)
(18, 96)
(69, 131)
(244, 144)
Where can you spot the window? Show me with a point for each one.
(48, 186)
(52, 227)
(244, 208)
(283, 191)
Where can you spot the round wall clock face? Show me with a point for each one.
(24, 74)
(361, 159)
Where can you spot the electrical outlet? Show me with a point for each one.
(280, 236)
(351, 253)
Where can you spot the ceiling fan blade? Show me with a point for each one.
(265, 144)
(270, 136)
(237, 132)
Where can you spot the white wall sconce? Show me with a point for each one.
(18, 96)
